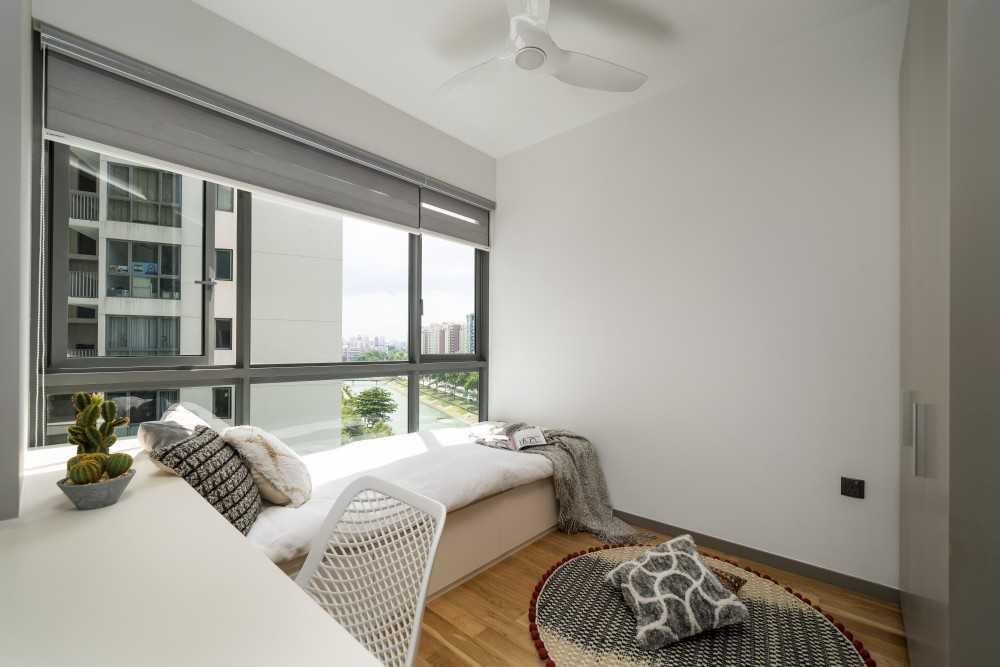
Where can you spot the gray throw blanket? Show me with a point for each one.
(581, 490)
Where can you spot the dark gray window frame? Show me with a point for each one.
(181, 372)
(58, 299)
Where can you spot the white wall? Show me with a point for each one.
(190, 41)
(15, 207)
(707, 286)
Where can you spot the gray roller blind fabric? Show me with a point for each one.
(90, 102)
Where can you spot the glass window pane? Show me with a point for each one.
(139, 406)
(376, 280)
(170, 256)
(223, 264)
(222, 402)
(118, 257)
(449, 399)
(319, 415)
(224, 198)
(223, 334)
(116, 263)
(335, 285)
(449, 294)
(144, 288)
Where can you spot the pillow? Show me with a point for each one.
(156, 434)
(192, 416)
(674, 595)
(280, 474)
(217, 472)
(732, 582)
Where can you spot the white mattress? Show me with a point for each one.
(442, 464)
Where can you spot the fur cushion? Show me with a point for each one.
(674, 595)
(217, 472)
(281, 476)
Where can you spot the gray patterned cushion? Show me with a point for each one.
(217, 472)
(674, 595)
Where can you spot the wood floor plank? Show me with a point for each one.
(485, 620)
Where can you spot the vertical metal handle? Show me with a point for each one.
(919, 435)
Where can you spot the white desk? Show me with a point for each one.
(159, 579)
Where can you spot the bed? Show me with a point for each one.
(497, 500)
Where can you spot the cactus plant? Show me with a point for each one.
(117, 464)
(85, 472)
(89, 436)
(93, 434)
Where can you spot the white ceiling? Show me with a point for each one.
(401, 51)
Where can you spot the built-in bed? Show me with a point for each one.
(497, 500)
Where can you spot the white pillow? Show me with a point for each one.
(192, 416)
(281, 476)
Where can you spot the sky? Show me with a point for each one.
(375, 280)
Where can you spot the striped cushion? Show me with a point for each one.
(217, 472)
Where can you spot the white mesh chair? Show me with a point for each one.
(369, 566)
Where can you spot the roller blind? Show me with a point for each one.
(447, 216)
(96, 94)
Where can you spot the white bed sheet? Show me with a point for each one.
(443, 464)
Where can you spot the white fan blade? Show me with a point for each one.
(536, 10)
(579, 69)
(485, 73)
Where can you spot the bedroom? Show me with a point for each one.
(751, 265)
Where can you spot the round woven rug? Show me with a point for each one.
(577, 618)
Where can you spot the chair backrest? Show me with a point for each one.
(370, 564)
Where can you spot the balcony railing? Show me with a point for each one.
(76, 354)
(83, 205)
(143, 352)
(82, 284)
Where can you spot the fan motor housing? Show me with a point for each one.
(529, 57)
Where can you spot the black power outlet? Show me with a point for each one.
(852, 488)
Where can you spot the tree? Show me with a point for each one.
(373, 405)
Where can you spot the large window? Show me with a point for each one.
(339, 329)
(143, 195)
(141, 270)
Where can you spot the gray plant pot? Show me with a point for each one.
(96, 495)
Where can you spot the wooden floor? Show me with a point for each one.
(485, 620)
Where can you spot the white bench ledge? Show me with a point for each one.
(159, 579)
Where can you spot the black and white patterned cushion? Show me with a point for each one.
(217, 472)
(674, 595)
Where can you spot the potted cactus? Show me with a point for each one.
(95, 477)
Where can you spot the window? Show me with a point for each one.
(222, 402)
(336, 285)
(449, 399)
(318, 415)
(338, 347)
(139, 405)
(223, 264)
(143, 195)
(223, 198)
(449, 298)
(141, 336)
(140, 270)
(223, 334)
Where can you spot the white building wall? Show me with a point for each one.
(225, 290)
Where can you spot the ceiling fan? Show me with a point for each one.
(530, 48)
